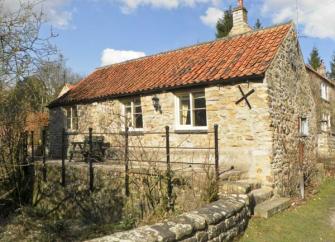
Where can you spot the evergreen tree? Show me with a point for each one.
(224, 24)
(332, 68)
(258, 24)
(314, 59)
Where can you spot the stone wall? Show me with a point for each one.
(326, 149)
(326, 142)
(244, 134)
(290, 99)
(325, 146)
(321, 104)
(223, 220)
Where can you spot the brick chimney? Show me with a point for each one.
(322, 69)
(240, 20)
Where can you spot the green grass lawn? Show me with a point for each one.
(310, 222)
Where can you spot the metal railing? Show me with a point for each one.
(126, 147)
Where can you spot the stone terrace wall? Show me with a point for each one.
(223, 220)
(148, 193)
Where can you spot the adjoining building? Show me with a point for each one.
(323, 90)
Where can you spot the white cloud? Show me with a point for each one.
(111, 56)
(129, 5)
(53, 10)
(211, 17)
(317, 18)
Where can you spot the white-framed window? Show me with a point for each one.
(191, 110)
(325, 122)
(324, 91)
(304, 128)
(132, 112)
(72, 118)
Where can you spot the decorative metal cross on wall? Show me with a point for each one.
(245, 96)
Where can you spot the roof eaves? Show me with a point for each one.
(225, 82)
(308, 67)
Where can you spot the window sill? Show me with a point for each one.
(325, 100)
(191, 131)
(72, 132)
(304, 136)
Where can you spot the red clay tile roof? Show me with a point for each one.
(238, 57)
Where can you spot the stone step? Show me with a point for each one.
(232, 175)
(260, 195)
(238, 187)
(271, 207)
(232, 187)
(254, 184)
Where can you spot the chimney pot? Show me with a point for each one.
(240, 3)
(240, 20)
(322, 69)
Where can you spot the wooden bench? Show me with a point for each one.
(99, 148)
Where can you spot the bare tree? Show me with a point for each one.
(21, 46)
(22, 49)
(55, 74)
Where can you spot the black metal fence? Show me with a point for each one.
(126, 147)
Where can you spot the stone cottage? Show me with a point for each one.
(323, 90)
(253, 84)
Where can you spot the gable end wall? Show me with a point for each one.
(290, 98)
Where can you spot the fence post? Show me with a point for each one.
(126, 161)
(32, 147)
(216, 142)
(24, 147)
(63, 157)
(44, 155)
(90, 160)
(168, 169)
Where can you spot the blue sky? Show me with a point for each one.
(88, 27)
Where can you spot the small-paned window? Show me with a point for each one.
(325, 122)
(304, 129)
(191, 110)
(324, 91)
(184, 110)
(72, 118)
(132, 110)
(199, 110)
